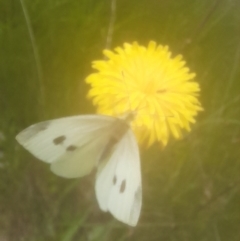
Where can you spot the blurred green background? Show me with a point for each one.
(191, 189)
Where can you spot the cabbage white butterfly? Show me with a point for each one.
(75, 145)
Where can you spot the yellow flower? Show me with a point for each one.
(151, 82)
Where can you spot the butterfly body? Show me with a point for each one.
(75, 145)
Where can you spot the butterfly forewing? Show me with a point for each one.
(74, 142)
(118, 185)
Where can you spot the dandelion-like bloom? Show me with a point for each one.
(149, 81)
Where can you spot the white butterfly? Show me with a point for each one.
(75, 145)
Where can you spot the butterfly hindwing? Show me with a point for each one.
(81, 159)
(118, 185)
(72, 145)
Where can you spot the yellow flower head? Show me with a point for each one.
(147, 80)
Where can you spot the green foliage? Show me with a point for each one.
(190, 189)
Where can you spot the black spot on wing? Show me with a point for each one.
(71, 148)
(123, 186)
(114, 180)
(59, 140)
